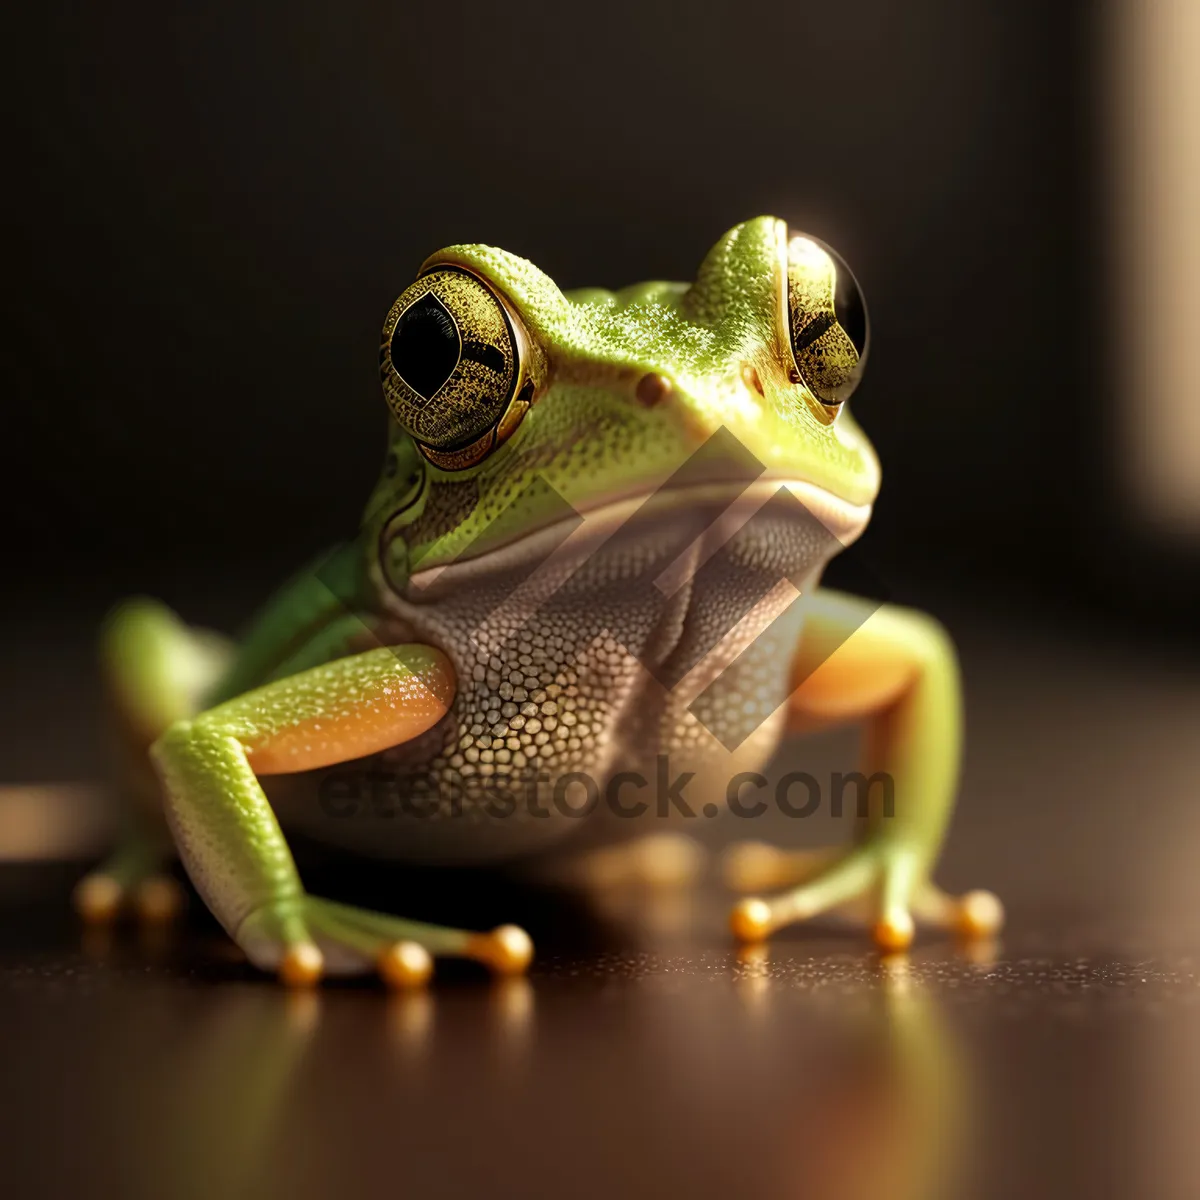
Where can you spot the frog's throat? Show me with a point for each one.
(843, 521)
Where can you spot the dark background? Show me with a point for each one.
(213, 210)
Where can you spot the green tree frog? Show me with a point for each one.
(595, 549)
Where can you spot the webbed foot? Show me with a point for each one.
(306, 937)
(881, 881)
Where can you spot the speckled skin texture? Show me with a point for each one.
(583, 674)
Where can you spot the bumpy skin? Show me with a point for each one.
(601, 590)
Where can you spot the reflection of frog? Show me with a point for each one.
(573, 563)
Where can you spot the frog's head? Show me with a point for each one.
(512, 400)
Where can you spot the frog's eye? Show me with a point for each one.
(827, 321)
(452, 361)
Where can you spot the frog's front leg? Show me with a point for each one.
(896, 669)
(230, 840)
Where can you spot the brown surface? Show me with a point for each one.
(642, 1057)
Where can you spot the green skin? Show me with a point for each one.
(377, 619)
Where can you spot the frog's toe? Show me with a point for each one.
(102, 896)
(508, 949)
(976, 915)
(158, 899)
(405, 965)
(751, 920)
(894, 931)
(303, 940)
(980, 914)
(301, 965)
(98, 897)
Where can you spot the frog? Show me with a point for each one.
(595, 550)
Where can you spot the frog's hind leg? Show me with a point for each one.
(156, 670)
(897, 671)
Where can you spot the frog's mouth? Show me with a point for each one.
(708, 516)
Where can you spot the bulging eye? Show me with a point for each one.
(827, 320)
(452, 365)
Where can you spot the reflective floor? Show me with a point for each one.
(642, 1056)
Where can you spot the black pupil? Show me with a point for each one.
(848, 308)
(425, 345)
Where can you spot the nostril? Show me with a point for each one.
(652, 389)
